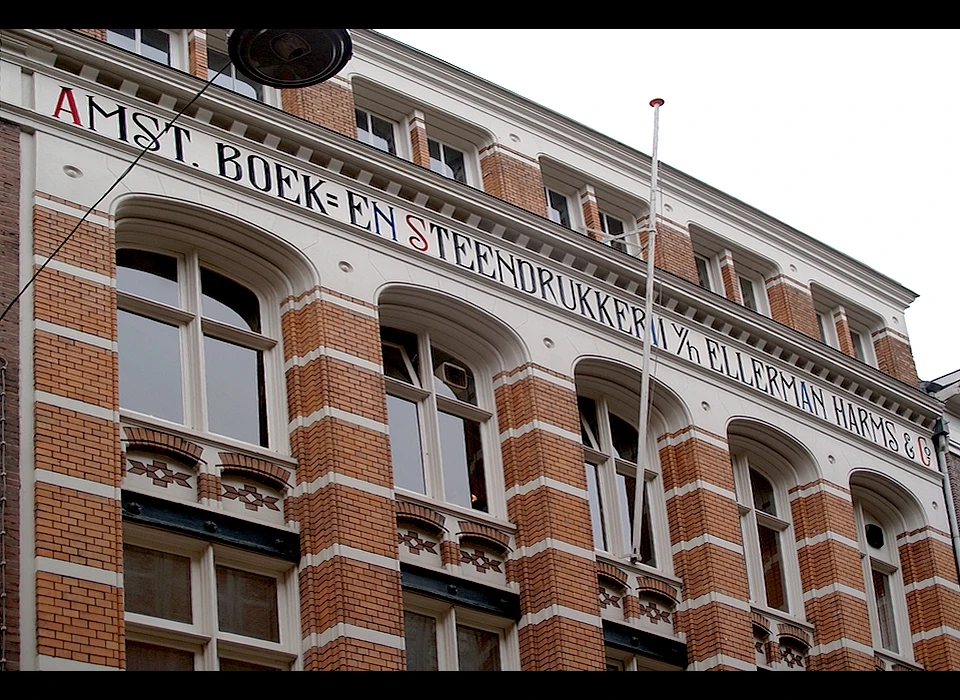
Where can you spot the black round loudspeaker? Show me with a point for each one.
(290, 58)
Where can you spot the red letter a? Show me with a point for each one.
(68, 93)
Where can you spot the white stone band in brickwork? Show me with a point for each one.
(699, 484)
(69, 269)
(92, 488)
(507, 380)
(344, 630)
(52, 663)
(824, 536)
(551, 543)
(82, 407)
(559, 611)
(73, 211)
(340, 550)
(79, 336)
(824, 487)
(932, 581)
(339, 414)
(842, 643)
(541, 481)
(834, 588)
(714, 597)
(79, 571)
(300, 361)
(687, 545)
(722, 660)
(539, 425)
(343, 480)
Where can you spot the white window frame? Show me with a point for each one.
(629, 239)
(887, 562)
(828, 328)
(759, 292)
(429, 405)
(615, 522)
(750, 519)
(714, 282)
(627, 661)
(571, 211)
(193, 326)
(448, 616)
(202, 635)
(393, 125)
(868, 353)
(178, 58)
(468, 159)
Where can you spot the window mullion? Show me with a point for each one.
(432, 467)
(205, 607)
(195, 389)
(448, 654)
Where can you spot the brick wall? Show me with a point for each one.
(10, 356)
(792, 304)
(513, 178)
(894, 356)
(328, 104)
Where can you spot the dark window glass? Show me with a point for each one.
(478, 650)
(236, 402)
(156, 584)
(452, 378)
(462, 456)
(703, 273)
(247, 604)
(420, 638)
(749, 296)
(626, 439)
(150, 374)
(858, 350)
(225, 300)
(123, 38)
(237, 665)
(613, 227)
(155, 45)
(230, 78)
(447, 161)
(405, 449)
(149, 275)
(771, 561)
(395, 344)
(557, 208)
(763, 499)
(881, 592)
(375, 131)
(823, 332)
(647, 554)
(150, 657)
(589, 428)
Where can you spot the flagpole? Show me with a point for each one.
(647, 337)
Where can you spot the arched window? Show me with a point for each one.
(608, 429)
(768, 539)
(194, 344)
(878, 523)
(437, 418)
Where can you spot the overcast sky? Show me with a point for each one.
(848, 136)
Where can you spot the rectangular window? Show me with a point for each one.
(749, 294)
(703, 272)
(858, 350)
(149, 43)
(231, 78)
(613, 227)
(885, 618)
(443, 637)
(447, 161)
(557, 208)
(376, 131)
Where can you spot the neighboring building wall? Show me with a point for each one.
(10, 366)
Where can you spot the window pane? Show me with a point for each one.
(405, 450)
(215, 62)
(394, 363)
(478, 650)
(155, 45)
(150, 374)
(820, 327)
(452, 378)
(596, 510)
(382, 136)
(589, 428)
(703, 274)
(156, 584)
(247, 604)
(771, 561)
(749, 296)
(858, 351)
(763, 499)
(647, 554)
(455, 163)
(625, 494)
(625, 437)
(462, 456)
(881, 592)
(149, 275)
(225, 300)
(420, 639)
(149, 657)
(124, 38)
(557, 208)
(236, 665)
(236, 405)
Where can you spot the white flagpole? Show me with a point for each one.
(647, 338)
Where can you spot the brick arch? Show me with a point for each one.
(150, 440)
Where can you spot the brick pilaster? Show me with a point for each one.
(728, 273)
(512, 177)
(791, 303)
(328, 104)
(418, 139)
(894, 355)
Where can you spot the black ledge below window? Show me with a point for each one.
(460, 591)
(645, 644)
(189, 520)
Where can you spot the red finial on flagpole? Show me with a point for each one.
(656, 102)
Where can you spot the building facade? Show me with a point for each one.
(347, 377)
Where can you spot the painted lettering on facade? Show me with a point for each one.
(312, 192)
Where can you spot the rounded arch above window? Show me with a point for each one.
(895, 508)
(777, 454)
(457, 327)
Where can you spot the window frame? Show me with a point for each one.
(448, 616)
(573, 223)
(193, 328)
(615, 524)
(395, 128)
(177, 49)
(751, 518)
(468, 176)
(759, 289)
(888, 564)
(429, 406)
(711, 267)
(629, 242)
(202, 635)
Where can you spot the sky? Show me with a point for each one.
(850, 136)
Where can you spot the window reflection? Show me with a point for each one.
(150, 372)
(236, 405)
(149, 275)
